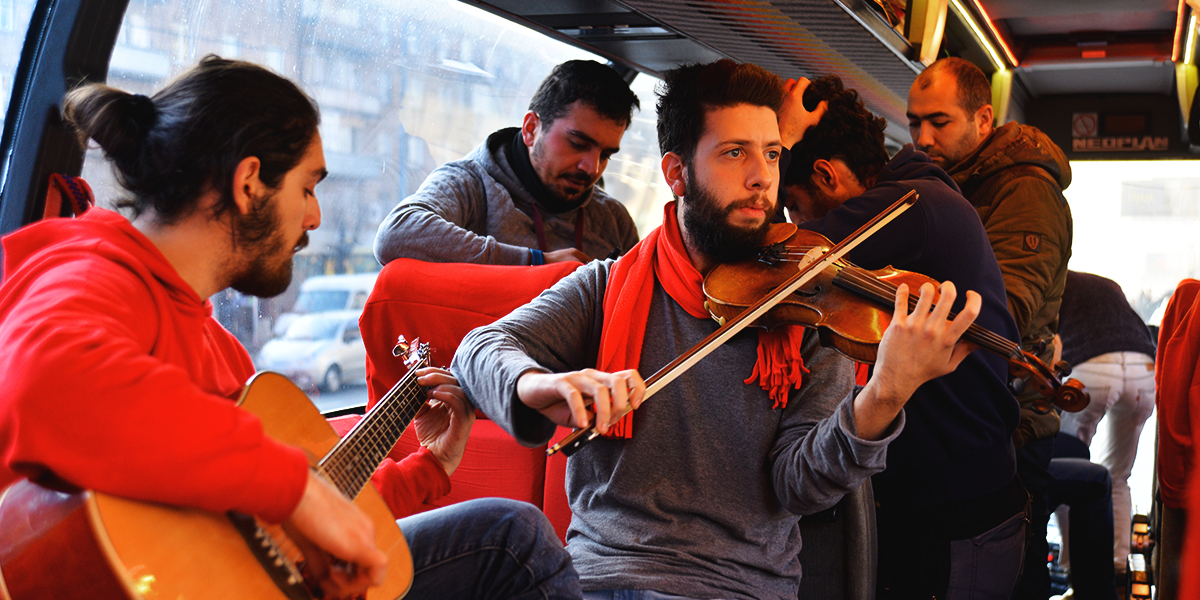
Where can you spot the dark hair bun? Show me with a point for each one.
(141, 113)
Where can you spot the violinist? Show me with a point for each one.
(950, 511)
(699, 493)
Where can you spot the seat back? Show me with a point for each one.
(839, 554)
(440, 304)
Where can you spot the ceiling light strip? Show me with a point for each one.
(1189, 49)
(987, 19)
(1178, 30)
(979, 35)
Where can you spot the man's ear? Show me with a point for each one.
(675, 173)
(825, 175)
(247, 185)
(529, 128)
(984, 119)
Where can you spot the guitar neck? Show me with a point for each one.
(352, 462)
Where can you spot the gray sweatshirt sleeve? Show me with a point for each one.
(817, 456)
(445, 221)
(558, 331)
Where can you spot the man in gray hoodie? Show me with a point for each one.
(699, 494)
(527, 195)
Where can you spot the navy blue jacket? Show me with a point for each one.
(957, 443)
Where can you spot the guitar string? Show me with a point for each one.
(352, 467)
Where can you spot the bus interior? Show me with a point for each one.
(405, 86)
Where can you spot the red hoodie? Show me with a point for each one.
(118, 379)
(1177, 379)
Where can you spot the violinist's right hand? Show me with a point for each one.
(915, 348)
(564, 397)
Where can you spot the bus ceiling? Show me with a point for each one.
(1129, 66)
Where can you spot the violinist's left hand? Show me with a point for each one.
(444, 422)
(916, 347)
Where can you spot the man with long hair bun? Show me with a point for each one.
(118, 379)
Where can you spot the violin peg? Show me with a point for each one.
(1017, 385)
(1062, 368)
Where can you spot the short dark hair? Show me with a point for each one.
(974, 90)
(170, 149)
(847, 131)
(688, 93)
(597, 85)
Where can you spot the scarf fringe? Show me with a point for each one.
(780, 367)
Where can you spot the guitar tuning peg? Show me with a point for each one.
(401, 347)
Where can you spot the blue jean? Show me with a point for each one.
(1033, 467)
(1086, 488)
(966, 550)
(488, 548)
(631, 595)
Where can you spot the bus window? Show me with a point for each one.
(403, 88)
(14, 22)
(1136, 223)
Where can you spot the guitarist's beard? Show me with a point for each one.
(266, 266)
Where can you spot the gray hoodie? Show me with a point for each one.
(705, 500)
(475, 210)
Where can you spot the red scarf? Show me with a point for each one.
(627, 308)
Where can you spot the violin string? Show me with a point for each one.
(885, 290)
(888, 290)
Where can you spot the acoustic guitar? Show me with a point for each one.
(89, 544)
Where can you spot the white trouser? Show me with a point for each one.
(1121, 385)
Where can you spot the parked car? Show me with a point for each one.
(319, 350)
(325, 293)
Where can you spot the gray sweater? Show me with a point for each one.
(704, 500)
(475, 210)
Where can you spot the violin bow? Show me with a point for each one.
(580, 437)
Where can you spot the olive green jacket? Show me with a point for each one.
(1015, 180)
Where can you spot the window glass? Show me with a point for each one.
(403, 87)
(14, 21)
(320, 300)
(1136, 223)
(313, 327)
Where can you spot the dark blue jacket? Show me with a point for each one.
(956, 444)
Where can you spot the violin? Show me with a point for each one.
(850, 307)
(810, 269)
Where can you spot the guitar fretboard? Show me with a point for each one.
(350, 464)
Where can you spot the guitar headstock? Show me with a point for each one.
(416, 354)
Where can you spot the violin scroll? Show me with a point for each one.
(1068, 395)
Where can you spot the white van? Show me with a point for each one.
(325, 293)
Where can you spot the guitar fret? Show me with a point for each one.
(352, 462)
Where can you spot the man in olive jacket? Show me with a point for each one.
(1014, 176)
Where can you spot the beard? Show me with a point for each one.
(266, 268)
(554, 185)
(708, 227)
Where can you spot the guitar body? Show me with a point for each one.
(94, 545)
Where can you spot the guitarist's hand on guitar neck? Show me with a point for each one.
(329, 521)
(443, 423)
